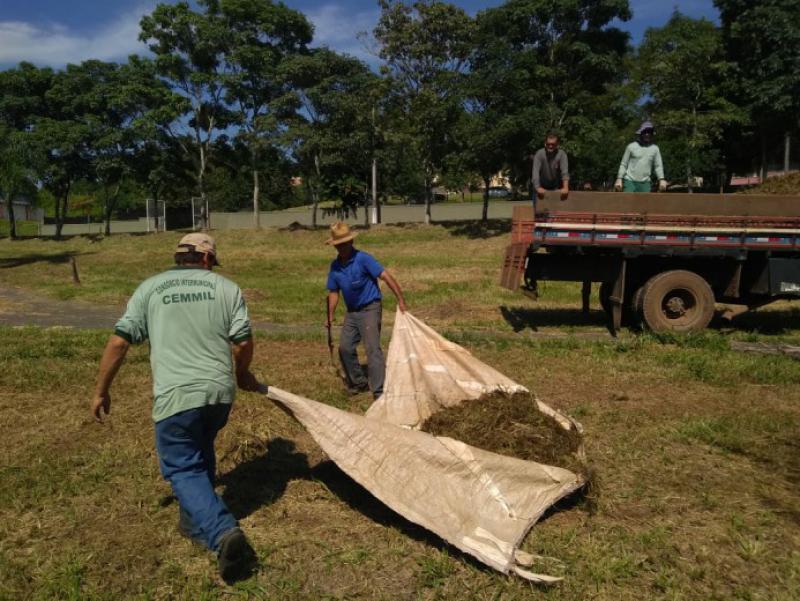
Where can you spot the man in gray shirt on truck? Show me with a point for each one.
(550, 168)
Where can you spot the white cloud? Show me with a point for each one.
(337, 27)
(55, 45)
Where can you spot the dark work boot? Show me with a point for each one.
(235, 556)
(358, 388)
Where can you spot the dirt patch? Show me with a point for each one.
(784, 184)
(509, 425)
(252, 295)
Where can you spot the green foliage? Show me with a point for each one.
(553, 66)
(234, 103)
(261, 35)
(426, 47)
(682, 70)
(761, 38)
(329, 110)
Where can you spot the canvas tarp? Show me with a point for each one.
(480, 502)
(426, 372)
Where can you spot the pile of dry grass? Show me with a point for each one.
(509, 425)
(782, 184)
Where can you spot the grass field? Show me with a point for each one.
(24, 228)
(695, 446)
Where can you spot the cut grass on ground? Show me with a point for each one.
(695, 447)
(698, 482)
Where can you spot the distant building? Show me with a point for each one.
(23, 210)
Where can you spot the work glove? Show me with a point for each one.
(618, 185)
(662, 185)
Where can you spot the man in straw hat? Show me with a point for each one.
(354, 275)
(193, 319)
(641, 159)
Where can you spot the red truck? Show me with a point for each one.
(662, 260)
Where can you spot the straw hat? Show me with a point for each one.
(340, 233)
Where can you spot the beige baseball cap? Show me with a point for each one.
(198, 242)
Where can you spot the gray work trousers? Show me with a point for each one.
(364, 324)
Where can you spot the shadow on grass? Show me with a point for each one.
(262, 480)
(782, 321)
(60, 258)
(520, 318)
(477, 229)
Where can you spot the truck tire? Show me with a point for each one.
(636, 309)
(677, 301)
(631, 310)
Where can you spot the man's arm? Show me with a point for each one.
(623, 164)
(113, 356)
(333, 301)
(242, 357)
(564, 176)
(395, 288)
(658, 165)
(623, 167)
(536, 174)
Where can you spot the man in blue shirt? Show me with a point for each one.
(354, 275)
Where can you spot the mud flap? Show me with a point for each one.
(617, 299)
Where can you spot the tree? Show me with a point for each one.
(21, 103)
(682, 69)
(189, 48)
(157, 162)
(17, 177)
(762, 38)
(100, 101)
(426, 46)
(490, 126)
(261, 35)
(63, 137)
(328, 113)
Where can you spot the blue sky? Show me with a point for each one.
(56, 32)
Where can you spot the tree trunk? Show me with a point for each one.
(315, 192)
(367, 203)
(61, 210)
(256, 193)
(201, 185)
(375, 188)
(111, 202)
(428, 195)
(12, 222)
(787, 147)
(485, 216)
(763, 171)
(689, 152)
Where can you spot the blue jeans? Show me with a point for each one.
(185, 444)
(365, 325)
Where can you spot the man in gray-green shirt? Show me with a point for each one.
(197, 324)
(641, 159)
(550, 168)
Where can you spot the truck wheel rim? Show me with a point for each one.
(679, 306)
